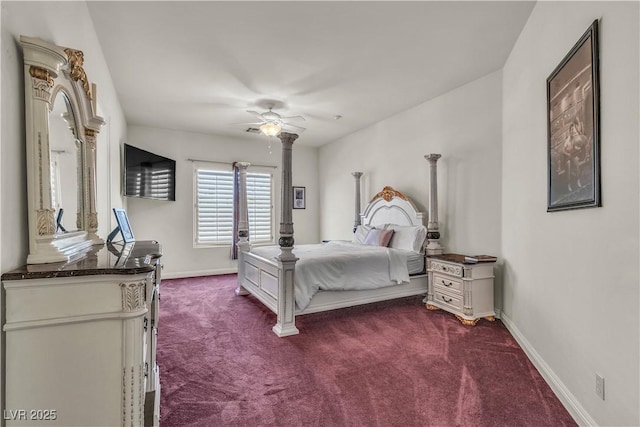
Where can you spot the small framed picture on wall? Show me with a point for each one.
(299, 198)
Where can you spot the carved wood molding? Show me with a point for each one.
(132, 398)
(93, 220)
(42, 82)
(389, 193)
(45, 222)
(133, 297)
(76, 60)
(446, 268)
(90, 142)
(41, 74)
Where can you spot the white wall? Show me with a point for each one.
(171, 223)
(66, 24)
(571, 278)
(464, 126)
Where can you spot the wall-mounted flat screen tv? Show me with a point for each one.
(148, 175)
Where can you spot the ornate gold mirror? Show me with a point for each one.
(61, 129)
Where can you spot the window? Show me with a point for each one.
(214, 206)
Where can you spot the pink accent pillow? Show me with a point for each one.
(378, 237)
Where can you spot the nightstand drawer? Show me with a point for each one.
(447, 284)
(446, 268)
(453, 301)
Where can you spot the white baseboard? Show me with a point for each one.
(579, 414)
(198, 273)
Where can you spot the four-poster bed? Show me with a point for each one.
(269, 274)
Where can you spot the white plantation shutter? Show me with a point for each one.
(259, 205)
(214, 207)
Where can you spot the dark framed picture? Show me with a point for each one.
(299, 198)
(573, 137)
(123, 225)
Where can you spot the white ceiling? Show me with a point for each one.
(197, 66)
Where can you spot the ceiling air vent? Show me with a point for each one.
(253, 130)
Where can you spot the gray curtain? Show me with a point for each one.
(236, 210)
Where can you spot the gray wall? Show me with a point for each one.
(571, 277)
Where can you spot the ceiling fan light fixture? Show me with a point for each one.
(270, 129)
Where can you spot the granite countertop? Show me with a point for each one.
(460, 259)
(109, 258)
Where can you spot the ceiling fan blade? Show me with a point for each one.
(249, 124)
(289, 126)
(293, 117)
(259, 115)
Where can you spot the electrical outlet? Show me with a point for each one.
(600, 386)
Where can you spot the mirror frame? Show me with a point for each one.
(49, 69)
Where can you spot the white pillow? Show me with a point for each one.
(410, 238)
(361, 233)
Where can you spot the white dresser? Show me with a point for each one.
(461, 285)
(80, 339)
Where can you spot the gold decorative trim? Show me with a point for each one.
(76, 60)
(41, 74)
(467, 322)
(389, 193)
(45, 222)
(133, 297)
(491, 318)
(431, 307)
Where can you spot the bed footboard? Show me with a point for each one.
(259, 276)
(272, 282)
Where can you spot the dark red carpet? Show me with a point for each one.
(384, 364)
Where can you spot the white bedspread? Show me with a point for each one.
(342, 266)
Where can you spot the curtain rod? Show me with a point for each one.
(231, 163)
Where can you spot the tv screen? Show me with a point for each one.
(148, 175)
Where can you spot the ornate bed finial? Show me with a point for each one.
(389, 193)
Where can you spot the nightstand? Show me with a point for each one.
(461, 285)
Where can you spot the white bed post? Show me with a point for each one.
(433, 234)
(357, 221)
(243, 225)
(286, 324)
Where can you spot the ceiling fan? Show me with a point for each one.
(271, 123)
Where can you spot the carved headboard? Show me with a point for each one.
(390, 206)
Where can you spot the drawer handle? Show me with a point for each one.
(447, 300)
(447, 284)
